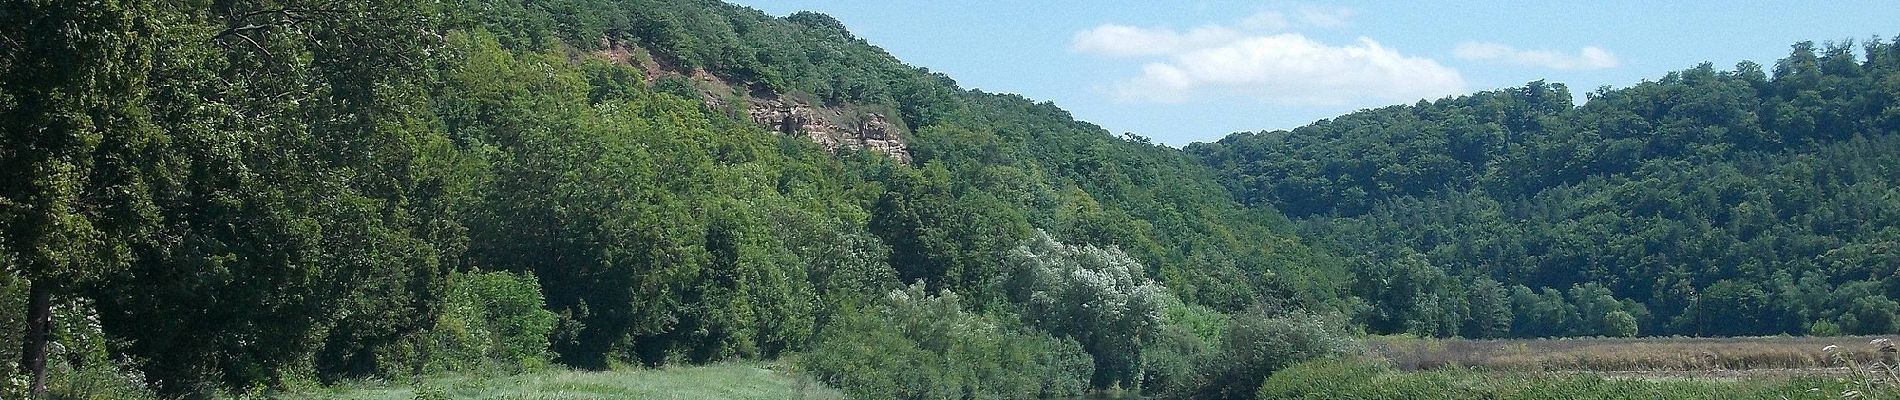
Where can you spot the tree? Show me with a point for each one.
(1594, 305)
(1728, 308)
(1541, 313)
(1098, 297)
(1872, 315)
(1490, 305)
(1619, 324)
(73, 130)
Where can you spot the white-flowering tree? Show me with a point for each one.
(1101, 298)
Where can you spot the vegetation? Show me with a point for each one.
(916, 346)
(505, 198)
(722, 381)
(1363, 379)
(1257, 345)
(1706, 203)
(1779, 355)
(265, 194)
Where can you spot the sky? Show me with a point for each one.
(1195, 71)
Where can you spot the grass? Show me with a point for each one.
(1627, 354)
(720, 381)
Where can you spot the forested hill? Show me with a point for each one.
(243, 196)
(1708, 202)
(248, 197)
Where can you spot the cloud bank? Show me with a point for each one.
(1291, 69)
(1257, 58)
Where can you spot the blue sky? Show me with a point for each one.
(1190, 71)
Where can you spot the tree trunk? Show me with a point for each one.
(39, 331)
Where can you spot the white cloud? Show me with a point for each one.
(1115, 40)
(1590, 57)
(1129, 41)
(1260, 57)
(1289, 68)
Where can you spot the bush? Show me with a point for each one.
(1185, 341)
(1619, 324)
(1173, 360)
(79, 364)
(915, 346)
(1824, 328)
(492, 321)
(1256, 344)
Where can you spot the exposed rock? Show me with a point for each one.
(872, 130)
(832, 127)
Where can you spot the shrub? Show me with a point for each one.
(1619, 324)
(491, 321)
(1173, 360)
(1824, 328)
(1255, 345)
(916, 346)
(79, 360)
(1185, 341)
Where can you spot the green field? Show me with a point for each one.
(721, 381)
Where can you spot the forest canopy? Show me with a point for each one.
(1705, 203)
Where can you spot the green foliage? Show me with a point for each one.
(1099, 298)
(78, 139)
(490, 321)
(1619, 324)
(1185, 342)
(1490, 310)
(1714, 202)
(1871, 315)
(81, 364)
(1256, 345)
(243, 196)
(916, 346)
(252, 209)
(1824, 329)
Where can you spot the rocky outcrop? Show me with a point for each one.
(832, 128)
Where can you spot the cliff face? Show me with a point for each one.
(832, 128)
(841, 127)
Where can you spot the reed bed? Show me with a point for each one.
(1633, 354)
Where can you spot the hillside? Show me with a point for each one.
(510, 198)
(203, 198)
(1705, 203)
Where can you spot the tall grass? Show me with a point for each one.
(1622, 354)
(1873, 378)
(1368, 379)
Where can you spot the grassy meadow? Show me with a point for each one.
(1393, 367)
(721, 381)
